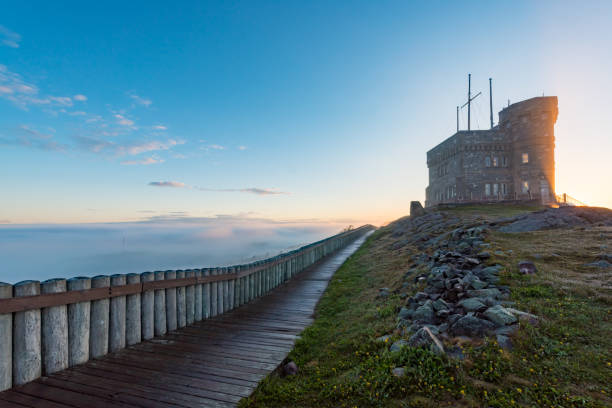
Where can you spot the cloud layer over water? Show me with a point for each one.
(42, 252)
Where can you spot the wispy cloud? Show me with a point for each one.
(9, 38)
(95, 145)
(139, 100)
(80, 98)
(174, 184)
(250, 190)
(216, 147)
(145, 162)
(122, 120)
(160, 127)
(26, 136)
(242, 147)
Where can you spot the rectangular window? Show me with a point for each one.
(487, 189)
(503, 188)
(525, 158)
(504, 161)
(525, 187)
(487, 161)
(495, 189)
(495, 162)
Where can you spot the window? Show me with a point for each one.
(525, 187)
(504, 161)
(495, 162)
(487, 161)
(495, 189)
(487, 189)
(525, 158)
(504, 189)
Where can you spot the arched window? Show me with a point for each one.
(495, 162)
(487, 161)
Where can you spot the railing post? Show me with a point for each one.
(213, 294)
(78, 324)
(231, 289)
(98, 332)
(181, 302)
(171, 308)
(147, 308)
(6, 341)
(206, 312)
(189, 299)
(236, 288)
(225, 291)
(116, 339)
(54, 330)
(26, 331)
(161, 326)
(133, 313)
(197, 297)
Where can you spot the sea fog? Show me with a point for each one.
(41, 252)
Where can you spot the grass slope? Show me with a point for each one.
(565, 361)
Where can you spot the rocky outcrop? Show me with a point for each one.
(563, 217)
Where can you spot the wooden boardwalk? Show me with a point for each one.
(213, 363)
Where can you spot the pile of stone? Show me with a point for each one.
(461, 297)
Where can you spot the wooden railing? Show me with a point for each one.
(49, 326)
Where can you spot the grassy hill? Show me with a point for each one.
(562, 359)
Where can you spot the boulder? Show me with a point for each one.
(399, 371)
(500, 315)
(405, 313)
(424, 313)
(416, 209)
(425, 337)
(471, 326)
(472, 304)
(524, 316)
(504, 342)
(290, 368)
(527, 267)
(483, 293)
(397, 346)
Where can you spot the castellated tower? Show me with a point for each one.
(529, 126)
(511, 161)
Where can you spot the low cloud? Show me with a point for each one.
(174, 184)
(9, 38)
(122, 120)
(144, 162)
(80, 98)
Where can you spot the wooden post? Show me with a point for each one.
(98, 331)
(133, 313)
(26, 337)
(213, 294)
(206, 313)
(231, 289)
(54, 330)
(236, 288)
(116, 336)
(161, 326)
(190, 299)
(219, 292)
(225, 291)
(78, 324)
(197, 297)
(147, 308)
(171, 308)
(6, 341)
(181, 308)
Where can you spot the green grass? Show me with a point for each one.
(564, 361)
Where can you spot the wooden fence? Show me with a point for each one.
(52, 325)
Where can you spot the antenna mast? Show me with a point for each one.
(469, 100)
(491, 100)
(457, 118)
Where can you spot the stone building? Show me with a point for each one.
(512, 161)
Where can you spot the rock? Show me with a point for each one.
(290, 368)
(483, 293)
(500, 315)
(399, 371)
(416, 209)
(471, 326)
(472, 305)
(504, 342)
(478, 284)
(397, 346)
(600, 264)
(405, 313)
(527, 268)
(383, 292)
(455, 352)
(420, 296)
(483, 255)
(383, 339)
(507, 330)
(500, 253)
(424, 313)
(425, 337)
(440, 304)
(524, 316)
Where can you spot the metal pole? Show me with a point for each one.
(491, 100)
(457, 118)
(469, 100)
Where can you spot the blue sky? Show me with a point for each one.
(123, 111)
